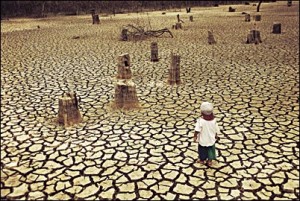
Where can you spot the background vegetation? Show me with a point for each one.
(48, 8)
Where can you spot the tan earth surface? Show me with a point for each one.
(149, 153)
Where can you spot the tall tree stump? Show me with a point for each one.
(174, 70)
(154, 52)
(124, 71)
(247, 18)
(125, 95)
(68, 112)
(211, 39)
(257, 17)
(276, 28)
(289, 3)
(124, 34)
(191, 18)
(253, 37)
(95, 19)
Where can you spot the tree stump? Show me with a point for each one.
(253, 37)
(125, 95)
(231, 9)
(96, 19)
(174, 70)
(276, 28)
(178, 25)
(124, 71)
(211, 39)
(154, 52)
(257, 17)
(188, 9)
(68, 113)
(247, 17)
(124, 34)
(289, 3)
(191, 18)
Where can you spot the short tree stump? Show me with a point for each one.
(95, 19)
(125, 95)
(211, 39)
(276, 28)
(154, 52)
(253, 37)
(247, 18)
(68, 113)
(257, 17)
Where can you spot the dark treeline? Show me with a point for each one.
(46, 8)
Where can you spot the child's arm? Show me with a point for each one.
(198, 128)
(196, 136)
(218, 132)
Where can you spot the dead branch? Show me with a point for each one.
(138, 32)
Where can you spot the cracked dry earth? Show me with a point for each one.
(149, 153)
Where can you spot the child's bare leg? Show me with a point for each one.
(209, 162)
(200, 161)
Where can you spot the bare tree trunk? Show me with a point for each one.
(258, 6)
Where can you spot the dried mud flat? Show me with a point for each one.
(149, 153)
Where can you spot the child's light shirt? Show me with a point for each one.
(207, 131)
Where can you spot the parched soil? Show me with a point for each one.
(149, 153)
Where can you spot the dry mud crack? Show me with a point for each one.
(149, 153)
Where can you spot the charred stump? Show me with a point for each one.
(174, 70)
(188, 9)
(191, 18)
(124, 34)
(124, 71)
(253, 37)
(276, 28)
(247, 18)
(231, 9)
(289, 3)
(211, 39)
(96, 19)
(68, 113)
(177, 26)
(154, 52)
(257, 17)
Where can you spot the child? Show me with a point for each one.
(206, 130)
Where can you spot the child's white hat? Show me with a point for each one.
(206, 108)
